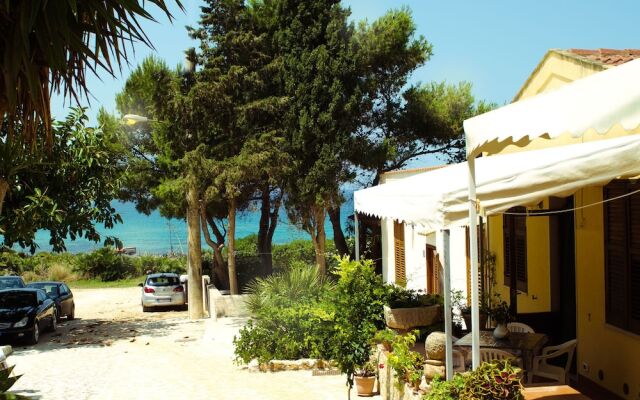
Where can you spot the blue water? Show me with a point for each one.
(154, 234)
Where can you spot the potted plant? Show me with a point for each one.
(406, 309)
(459, 301)
(501, 313)
(385, 337)
(408, 366)
(365, 378)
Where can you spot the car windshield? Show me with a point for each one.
(49, 288)
(162, 281)
(17, 299)
(10, 283)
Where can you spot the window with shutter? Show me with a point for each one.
(515, 247)
(399, 253)
(622, 255)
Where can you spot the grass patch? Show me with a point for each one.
(97, 284)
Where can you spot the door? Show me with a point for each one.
(433, 273)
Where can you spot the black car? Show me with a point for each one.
(24, 313)
(11, 282)
(60, 293)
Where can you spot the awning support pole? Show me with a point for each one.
(447, 305)
(473, 254)
(357, 234)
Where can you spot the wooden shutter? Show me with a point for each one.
(615, 215)
(399, 253)
(515, 247)
(622, 255)
(634, 260)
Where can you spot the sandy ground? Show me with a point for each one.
(114, 351)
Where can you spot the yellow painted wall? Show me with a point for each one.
(538, 296)
(600, 346)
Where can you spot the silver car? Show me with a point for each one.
(162, 290)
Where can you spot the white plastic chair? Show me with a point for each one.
(558, 374)
(519, 327)
(489, 355)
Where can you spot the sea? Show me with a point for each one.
(155, 234)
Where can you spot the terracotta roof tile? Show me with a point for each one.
(413, 170)
(611, 57)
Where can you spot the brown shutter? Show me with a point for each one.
(515, 247)
(634, 259)
(615, 217)
(398, 245)
(520, 233)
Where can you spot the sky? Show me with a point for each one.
(494, 44)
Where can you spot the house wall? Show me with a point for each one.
(601, 347)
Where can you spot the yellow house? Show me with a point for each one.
(577, 273)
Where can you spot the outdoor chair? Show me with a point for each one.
(459, 362)
(519, 327)
(558, 374)
(489, 355)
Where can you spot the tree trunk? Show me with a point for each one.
(338, 235)
(231, 249)
(219, 269)
(318, 237)
(264, 244)
(196, 310)
(4, 188)
(268, 223)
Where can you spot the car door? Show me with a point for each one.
(65, 300)
(42, 317)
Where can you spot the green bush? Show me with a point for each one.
(299, 284)
(407, 364)
(399, 297)
(291, 320)
(298, 331)
(145, 263)
(105, 264)
(490, 381)
(286, 255)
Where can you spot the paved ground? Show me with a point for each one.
(114, 351)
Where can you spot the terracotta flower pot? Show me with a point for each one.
(364, 385)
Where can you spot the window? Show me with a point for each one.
(515, 247)
(622, 255)
(399, 257)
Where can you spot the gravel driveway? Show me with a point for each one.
(114, 351)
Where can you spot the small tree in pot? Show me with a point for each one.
(357, 300)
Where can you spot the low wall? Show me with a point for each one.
(227, 305)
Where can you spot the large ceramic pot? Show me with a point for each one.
(501, 331)
(407, 318)
(364, 385)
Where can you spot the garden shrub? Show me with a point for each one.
(290, 333)
(299, 284)
(145, 263)
(407, 364)
(291, 319)
(105, 264)
(399, 297)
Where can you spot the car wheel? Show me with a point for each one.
(72, 314)
(58, 313)
(54, 322)
(35, 334)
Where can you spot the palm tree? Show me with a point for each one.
(48, 46)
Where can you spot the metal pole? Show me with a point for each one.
(473, 253)
(447, 306)
(357, 234)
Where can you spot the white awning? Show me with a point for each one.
(439, 199)
(598, 102)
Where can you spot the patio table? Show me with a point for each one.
(525, 345)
